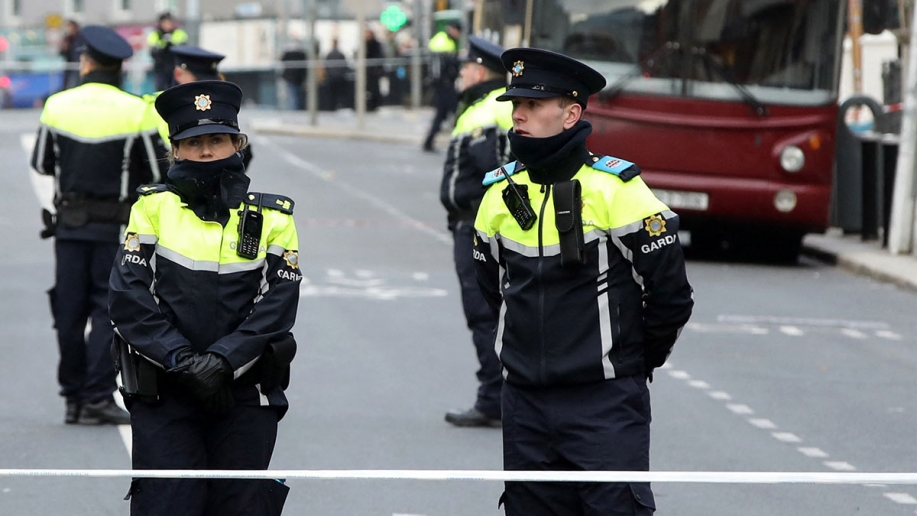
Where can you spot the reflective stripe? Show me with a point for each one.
(518, 248)
(209, 266)
(501, 324)
(605, 322)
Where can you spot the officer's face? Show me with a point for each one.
(471, 74)
(208, 147)
(541, 118)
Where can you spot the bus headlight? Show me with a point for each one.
(785, 201)
(792, 158)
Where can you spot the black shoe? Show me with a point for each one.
(472, 417)
(104, 412)
(72, 414)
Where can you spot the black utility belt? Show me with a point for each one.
(75, 212)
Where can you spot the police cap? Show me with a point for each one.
(202, 107)
(104, 45)
(538, 73)
(202, 63)
(484, 53)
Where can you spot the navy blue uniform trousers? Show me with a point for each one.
(86, 372)
(480, 321)
(602, 426)
(176, 433)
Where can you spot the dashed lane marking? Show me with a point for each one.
(902, 498)
(815, 453)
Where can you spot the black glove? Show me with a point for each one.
(202, 375)
(50, 222)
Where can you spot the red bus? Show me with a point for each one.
(728, 106)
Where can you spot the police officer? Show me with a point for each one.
(478, 145)
(161, 41)
(443, 71)
(96, 142)
(193, 64)
(204, 292)
(584, 267)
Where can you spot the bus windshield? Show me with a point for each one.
(754, 51)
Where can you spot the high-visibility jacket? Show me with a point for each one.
(177, 281)
(444, 68)
(478, 145)
(160, 44)
(100, 145)
(616, 314)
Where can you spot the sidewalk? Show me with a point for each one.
(392, 124)
(398, 125)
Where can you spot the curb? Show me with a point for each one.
(861, 265)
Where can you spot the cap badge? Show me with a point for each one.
(202, 102)
(292, 259)
(518, 68)
(655, 225)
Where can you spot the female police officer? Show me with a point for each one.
(205, 288)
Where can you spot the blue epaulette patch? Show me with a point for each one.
(625, 170)
(152, 188)
(280, 203)
(495, 176)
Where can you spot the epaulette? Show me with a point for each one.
(625, 170)
(152, 188)
(497, 175)
(280, 203)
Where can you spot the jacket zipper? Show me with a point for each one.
(544, 203)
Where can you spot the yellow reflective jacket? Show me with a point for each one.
(616, 315)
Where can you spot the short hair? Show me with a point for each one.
(564, 101)
(102, 67)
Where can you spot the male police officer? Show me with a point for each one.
(96, 142)
(443, 72)
(583, 265)
(478, 146)
(162, 42)
(192, 64)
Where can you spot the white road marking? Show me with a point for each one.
(699, 384)
(681, 375)
(793, 331)
(420, 276)
(349, 189)
(803, 321)
(887, 334)
(786, 437)
(901, 498)
(765, 424)
(839, 465)
(726, 328)
(740, 409)
(720, 395)
(856, 334)
(815, 453)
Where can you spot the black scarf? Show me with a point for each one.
(478, 92)
(110, 78)
(555, 158)
(211, 188)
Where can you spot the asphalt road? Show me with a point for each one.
(801, 368)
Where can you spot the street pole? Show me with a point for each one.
(901, 226)
(193, 21)
(415, 55)
(360, 93)
(312, 77)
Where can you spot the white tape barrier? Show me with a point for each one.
(704, 477)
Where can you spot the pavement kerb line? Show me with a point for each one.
(851, 263)
(348, 134)
(706, 477)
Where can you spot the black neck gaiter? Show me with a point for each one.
(555, 158)
(477, 92)
(211, 188)
(110, 78)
